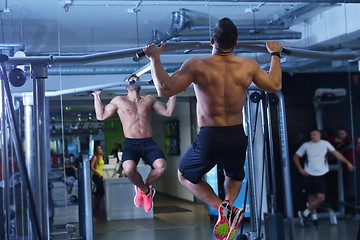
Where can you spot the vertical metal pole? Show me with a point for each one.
(39, 74)
(193, 127)
(17, 146)
(85, 202)
(250, 161)
(285, 164)
(193, 119)
(28, 128)
(272, 160)
(5, 162)
(319, 115)
(341, 193)
(29, 144)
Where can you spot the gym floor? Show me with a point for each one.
(182, 220)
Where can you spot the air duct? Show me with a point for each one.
(179, 22)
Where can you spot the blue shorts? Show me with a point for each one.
(145, 148)
(224, 145)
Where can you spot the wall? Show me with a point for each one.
(169, 183)
(112, 137)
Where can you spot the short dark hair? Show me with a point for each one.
(225, 34)
(133, 75)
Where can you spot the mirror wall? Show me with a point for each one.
(320, 92)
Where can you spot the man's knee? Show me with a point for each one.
(160, 166)
(181, 178)
(129, 168)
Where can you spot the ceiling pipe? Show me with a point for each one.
(15, 46)
(242, 28)
(102, 69)
(241, 37)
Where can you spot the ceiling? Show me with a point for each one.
(82, 27)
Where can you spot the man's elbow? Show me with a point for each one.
(275, 88)
(169, 113)
(100, 118)
(164, 93)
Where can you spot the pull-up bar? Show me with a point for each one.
(258, 46)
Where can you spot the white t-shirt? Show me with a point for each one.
(317, 164)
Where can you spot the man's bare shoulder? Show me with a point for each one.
(193, 61)
(149, 97)
(248, 62)
(118, 99)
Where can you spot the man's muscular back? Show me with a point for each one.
(135, 116)
(221, 83)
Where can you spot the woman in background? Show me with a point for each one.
(97, 163)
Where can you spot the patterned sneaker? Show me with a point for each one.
(221, 228)
(138, 199)
(302, 218)
(148, 199)
(237, 215)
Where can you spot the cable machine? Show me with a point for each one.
(261, 166)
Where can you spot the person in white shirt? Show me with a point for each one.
(315, 168)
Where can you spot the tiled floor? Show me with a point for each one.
(196, 225)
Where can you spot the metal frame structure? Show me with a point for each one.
(259, 156)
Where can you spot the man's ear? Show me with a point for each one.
(212, 41)
(237, 42)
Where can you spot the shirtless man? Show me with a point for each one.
(134, 112)
(220, 82)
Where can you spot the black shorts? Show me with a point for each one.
(145, 148)
(315, 184)
(225, 145)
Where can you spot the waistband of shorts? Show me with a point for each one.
(137, 140)
(223, 129)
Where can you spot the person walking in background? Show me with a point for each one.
(316, 167)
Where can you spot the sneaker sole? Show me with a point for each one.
(221, 228)
(234, 226)
(152, 200)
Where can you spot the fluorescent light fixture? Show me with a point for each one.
(143, 70)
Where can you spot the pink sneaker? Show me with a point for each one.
(148, 199)
(138, 199)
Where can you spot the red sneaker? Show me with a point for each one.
(138, 199)
(148, 199)
(221, 228)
